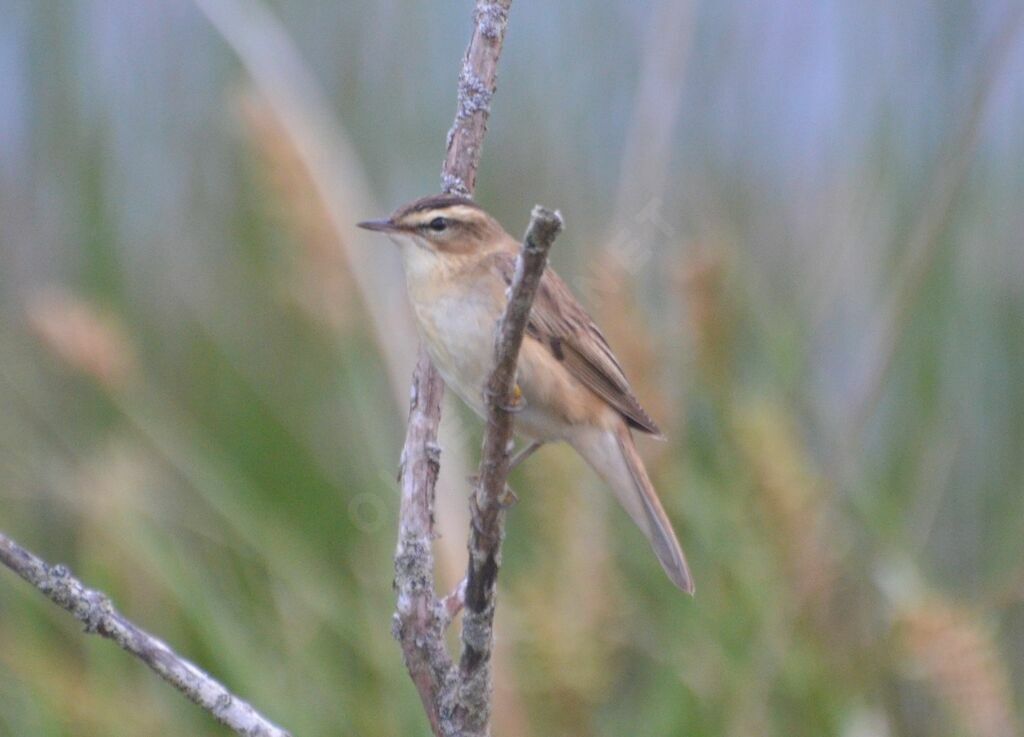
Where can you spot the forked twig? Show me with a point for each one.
(420, 618)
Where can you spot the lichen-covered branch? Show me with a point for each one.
(487, 529)
(95, 610)
(477, 81)
(420, 617)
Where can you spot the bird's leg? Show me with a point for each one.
(508, 497)
(525, 453)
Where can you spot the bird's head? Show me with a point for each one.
(443, 224)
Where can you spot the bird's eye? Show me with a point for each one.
(438, 224)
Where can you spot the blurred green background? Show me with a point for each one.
(798, 221)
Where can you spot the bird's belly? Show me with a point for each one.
(540, 423)
(459, 335)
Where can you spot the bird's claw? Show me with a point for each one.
(508, 498)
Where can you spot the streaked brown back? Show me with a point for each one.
(560, 323)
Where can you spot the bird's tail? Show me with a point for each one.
(613, 455)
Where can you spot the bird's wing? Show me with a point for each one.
(559, 322)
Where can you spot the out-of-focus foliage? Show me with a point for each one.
(811, 261)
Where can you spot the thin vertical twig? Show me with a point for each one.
(477, 82)
(488, 504)
(420, 617)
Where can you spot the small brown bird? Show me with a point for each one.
(459, 262)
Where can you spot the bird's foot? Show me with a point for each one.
(508, 498)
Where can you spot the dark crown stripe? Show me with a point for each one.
(436, 202)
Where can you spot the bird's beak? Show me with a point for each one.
(381, 226)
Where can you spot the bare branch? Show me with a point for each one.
(95, 610)
(489, 499)
(420, 618)
(477, 81)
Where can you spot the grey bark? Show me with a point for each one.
(458, 700)
(489, 501)
(95, 610)
(420, 618)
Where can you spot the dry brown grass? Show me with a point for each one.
(955, 650)
(83, 336)
(320, 282)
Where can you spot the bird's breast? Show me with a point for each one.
(457, 314)
(458, 330)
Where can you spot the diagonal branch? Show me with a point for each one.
(97, 613)
(488, 504)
